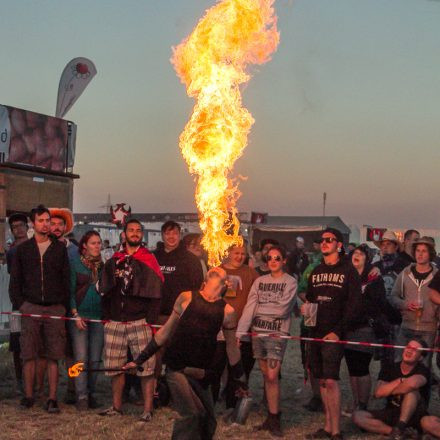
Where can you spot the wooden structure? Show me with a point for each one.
(23, 187)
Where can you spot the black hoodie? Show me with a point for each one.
(182, 271)
(337, 290)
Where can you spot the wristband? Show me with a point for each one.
(147, 352)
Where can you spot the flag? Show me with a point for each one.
(74, 79)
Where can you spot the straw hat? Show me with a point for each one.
(66, 215)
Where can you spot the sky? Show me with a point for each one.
(349, 104)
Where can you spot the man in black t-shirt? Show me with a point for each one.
(406, 387)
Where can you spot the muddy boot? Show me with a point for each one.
(275, 425)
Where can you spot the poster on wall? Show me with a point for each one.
(31, 138)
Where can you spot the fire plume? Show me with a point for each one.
(212, 63)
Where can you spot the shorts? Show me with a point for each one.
(358, 362)
(42, 337)
(269, 348)
(390, 415)
(118, 336)
(325, 359)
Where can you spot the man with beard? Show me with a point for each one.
(39, 284)
(335, 286)
(61, 224)
(130, 286)
(405, 385)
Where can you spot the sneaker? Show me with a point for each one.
(93, 403)
(319, 434)
(52, 406)
(146, 416)
(397, 434)
(82, 404)
(27, 402)
(314, 405)
(111, 412)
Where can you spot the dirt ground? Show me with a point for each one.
(17, 424)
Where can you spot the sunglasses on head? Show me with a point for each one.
(327, 240)
(274, 258)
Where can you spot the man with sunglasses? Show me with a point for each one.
(336, 287)
(191, 330)
(405, 385)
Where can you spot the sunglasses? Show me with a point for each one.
(327, 240)
(275, 258)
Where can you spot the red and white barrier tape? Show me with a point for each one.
(259, 335)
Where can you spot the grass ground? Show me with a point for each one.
(16, 424)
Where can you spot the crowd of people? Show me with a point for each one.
(216, 323)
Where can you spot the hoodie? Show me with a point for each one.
(182, 272)
(408, 289)
(337, 290)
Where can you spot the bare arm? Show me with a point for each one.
(229, 328)
(400, 386)
(434, 296)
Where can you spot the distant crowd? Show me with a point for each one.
(168, 329)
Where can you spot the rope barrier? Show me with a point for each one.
(254, 334)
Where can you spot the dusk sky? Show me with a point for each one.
(349, 104)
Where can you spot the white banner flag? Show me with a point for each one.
(74, 79)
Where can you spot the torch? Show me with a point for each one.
(78, 368)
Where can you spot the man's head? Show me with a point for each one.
(351, 247)
(412, 353)
(215, 281)
(19, 226)
(331, 242)
(300, 244)
(389, 244)
(171, 235)
(276, 258)
(106, 244)
(317, 245)
(410, 236)
(267, 244)
(61, 222)
(192, 244)
(423, 250)
(40, 218)
(133, 232)
(236, 256)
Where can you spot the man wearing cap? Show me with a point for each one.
(298, 259)
(405, 385)
(411, 295)
(19, 229)
(336, 287)
(61, 224)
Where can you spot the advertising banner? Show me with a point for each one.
(34, 139)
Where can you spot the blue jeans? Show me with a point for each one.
(87, 348)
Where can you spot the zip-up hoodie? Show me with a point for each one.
(44, 281)
(337, 290)
(407, 289)
(182, 272)
(269, 306)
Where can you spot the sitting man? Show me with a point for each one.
(405, 384)
(431, 426)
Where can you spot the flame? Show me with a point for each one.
(75, 370)
(212, 63)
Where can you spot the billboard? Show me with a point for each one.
(35, 139)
